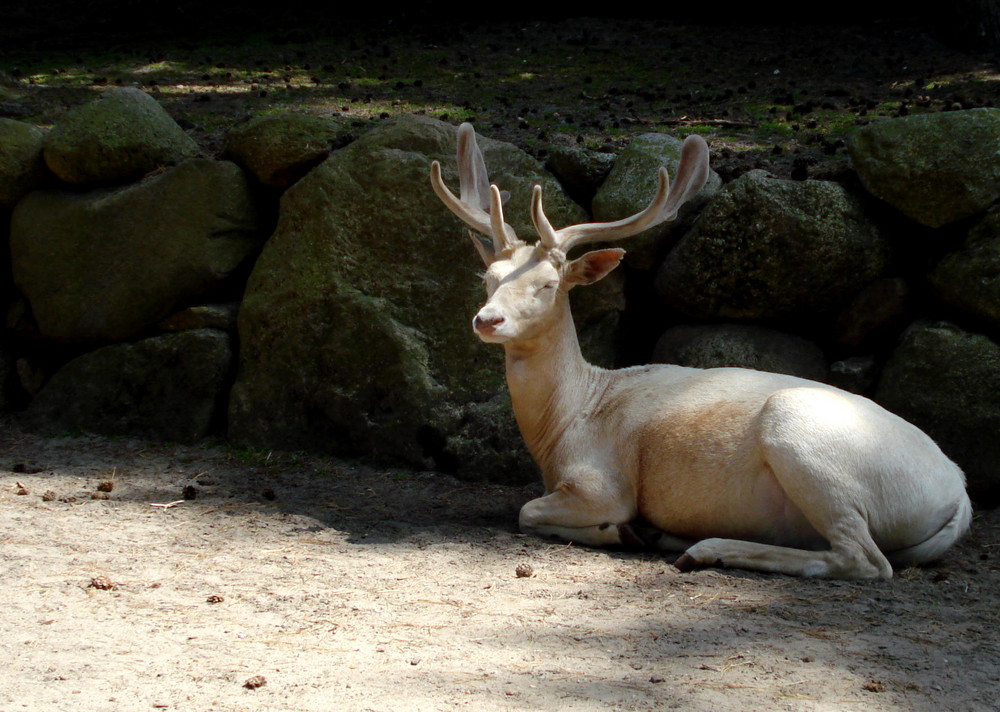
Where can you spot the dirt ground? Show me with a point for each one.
(211, 579)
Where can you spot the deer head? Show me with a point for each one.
(525, 281)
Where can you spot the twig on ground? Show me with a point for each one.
(167, 505)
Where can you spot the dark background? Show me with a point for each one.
(65, 24)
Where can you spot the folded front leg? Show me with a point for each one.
(571, 515)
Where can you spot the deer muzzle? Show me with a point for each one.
(487, 321)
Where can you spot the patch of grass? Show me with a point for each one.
(775, 127)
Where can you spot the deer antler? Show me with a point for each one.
(691, 176)
(473, 178)
(480, 205)
(477, 196)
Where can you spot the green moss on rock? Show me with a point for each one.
(945, 381)
(934, 168)
(355, 328)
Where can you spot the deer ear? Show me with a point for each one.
(593, 266)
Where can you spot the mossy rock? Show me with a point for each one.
(773, 250)
(22, 167)
(969, 278)
(945, 381)
(278, 149)
(741, 346)
(632, 183)
(934, 168)
(118, 138)
(107, 264)
(356, 325)
(168, 388)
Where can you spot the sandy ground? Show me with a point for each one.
(340, 587)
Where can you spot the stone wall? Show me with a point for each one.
(306, 290)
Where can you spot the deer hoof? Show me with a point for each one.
(685, 562)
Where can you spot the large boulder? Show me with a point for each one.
(969, 278)
(118, 138)
(355, 328)
(168, 387)
(934, 168)
(769, 249)
(945, 381)
(632, 183)
(22, 167)
(107, 264)
(278, 149)
(742, 346)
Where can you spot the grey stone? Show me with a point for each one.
(769, 249)
(165, 388)
(969, 278)
(106, 264)
(934, 168)
(203, 316)
(632, 183)
(484, 445)
(278, 149)
(22, 167)
(115, 139)
(355, 329)
(742, 346)
(945, 381)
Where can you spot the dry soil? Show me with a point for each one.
(142, 576)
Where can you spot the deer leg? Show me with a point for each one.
(571, 514)
(830, 504)
(825, 488)
(847, 558)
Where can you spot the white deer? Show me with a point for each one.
(734, 467)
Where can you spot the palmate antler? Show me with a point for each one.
(691, 176)
(477, 196)
(476, 205)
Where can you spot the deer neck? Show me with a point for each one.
(549, 382)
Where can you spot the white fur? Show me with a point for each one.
(741, 468)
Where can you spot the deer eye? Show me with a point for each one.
(548, 285)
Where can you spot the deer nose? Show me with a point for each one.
(487, 322)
